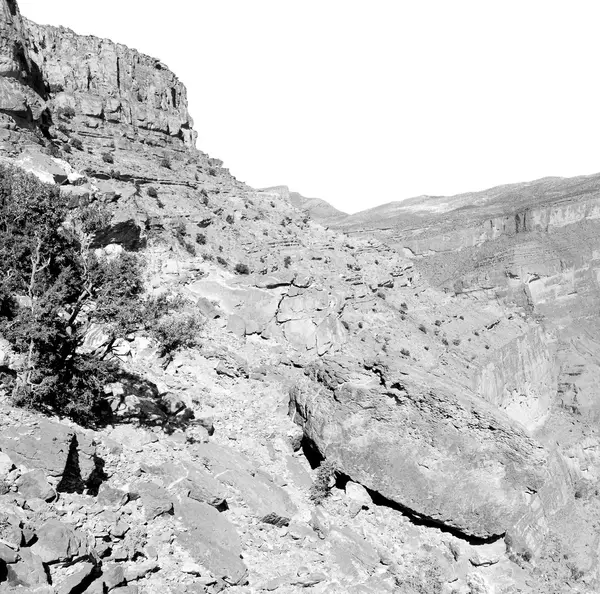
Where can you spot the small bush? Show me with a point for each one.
(212, 171)
(438, 322)
(108, 158)
(405, 352)
(54, 151)
(287, 261)
(404, 306)
(222, 261)
(444, 341)
(165, 162)
(321, 487)
(242, 268)
(180, 231)
(230, 219)
(177, 331)
(456, 342)
(66, 112)
(201, 239)
(151, 191)
(76, 143)
(422, 328)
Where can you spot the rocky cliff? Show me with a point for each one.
(438, 392)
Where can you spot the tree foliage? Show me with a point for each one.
(52, 289)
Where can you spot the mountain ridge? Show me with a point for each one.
(366, 411)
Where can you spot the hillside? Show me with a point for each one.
(367, 408)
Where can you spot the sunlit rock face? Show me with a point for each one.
(109, 85)
(21, 86)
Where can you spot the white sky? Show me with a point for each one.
(364, 102)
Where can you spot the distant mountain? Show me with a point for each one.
(319, 210)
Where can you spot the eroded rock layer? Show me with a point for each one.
(416, 358)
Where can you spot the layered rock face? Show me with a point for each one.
(420, 374)
(21, 86)
(111, 87)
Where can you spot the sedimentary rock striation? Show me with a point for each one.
(432, 356)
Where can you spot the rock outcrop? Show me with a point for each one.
(429, 356)
(112, 90)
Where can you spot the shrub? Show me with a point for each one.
(176, 331)
(403, 306)
(151, 191)
(321, 487)
(287, 261)
(66, 112)
(422, 328)
(76, 143)
(438, 322)
(230, 219)
(445, 341)
(405, 352)
(54, 151)
(108, 158)
(212, 171)
(242, 268)
(180, 231)
(165, 162)
(201, 239)
(222, 261)
(456, 342)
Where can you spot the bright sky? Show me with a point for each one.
(365, 102)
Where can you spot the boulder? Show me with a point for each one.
(34, 485)
(155, 499)
(75, 581)
(358, 493)
(267, 501)
(113, 575)
(58, 542)
(49, 446)
(29, 571)
(211, 540)
(445, 455)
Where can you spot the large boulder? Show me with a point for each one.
(211, 540)
(440, 453)
(268, 502)
(59, 542)
(66, 455)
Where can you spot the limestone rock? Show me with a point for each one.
(28, 571)
(74, 581)
(33, 485)
(478, 475)
(211, 540)
(155, 499)
(268, 502)
(58, 542)
(47, 446)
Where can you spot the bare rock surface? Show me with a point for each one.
(440, 364)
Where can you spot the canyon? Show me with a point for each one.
(431, 364)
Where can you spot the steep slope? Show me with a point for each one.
(435, 409)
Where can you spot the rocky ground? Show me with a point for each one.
(461, 456)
